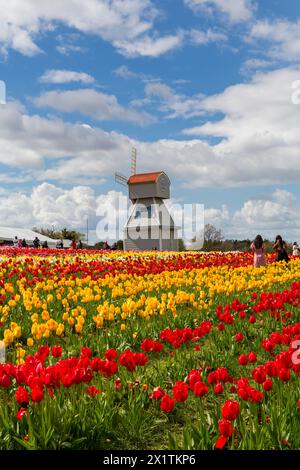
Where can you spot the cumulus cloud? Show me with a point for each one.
(124, 72)
(128, 26)
(50, 205)
(67, 49)
(91, 103)
(252, 65)
(149, 46)
(255, 141)
(235, 10)
(65, 76)
(281, 38)
(174, 104)
(277, 213)
(201, 37)
(30, 142)
(258, 133)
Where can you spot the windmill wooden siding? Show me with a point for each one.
(150, 225)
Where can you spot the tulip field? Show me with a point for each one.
(117, 350)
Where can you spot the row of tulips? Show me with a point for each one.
(37, 377)
(65, 306)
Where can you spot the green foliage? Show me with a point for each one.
(65, 233)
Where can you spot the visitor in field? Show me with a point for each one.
(73, 245)
(36, 242)
(45, 244)
(19, 243)
(15, 242)
(280, 247)
(296, 249)
(79, 244)
(60, 244)
(24, 244)
(257, 246)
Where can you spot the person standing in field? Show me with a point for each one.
(296, 249)
(281, 249)
(36, 242)
(257, 246)
(73, 245)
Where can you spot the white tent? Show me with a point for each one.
(9, 233)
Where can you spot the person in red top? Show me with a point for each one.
(73, 245)
(106, 246)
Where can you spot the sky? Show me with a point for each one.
(206, 90)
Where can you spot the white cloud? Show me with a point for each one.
(205, 37)
(235, 10)
(217, 217)
(65, 76)
(50, 205)
(148, 46)
(259, 135)
(278, 213)
(174, 104)
(269, 215)
(258, 139)
(126, 25)
(281, 36)
(91, 103)
(30, 142)
(252, 65)
(69, 48)
(124, 72)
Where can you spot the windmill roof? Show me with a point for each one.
(144, 177)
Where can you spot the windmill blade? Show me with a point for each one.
(133, 161)
(121, 179)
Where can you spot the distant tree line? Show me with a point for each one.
(214, 241)
(65, 233)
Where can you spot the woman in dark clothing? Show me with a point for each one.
(281, 249)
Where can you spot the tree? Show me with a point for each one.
(181, 245)
(57, 234)
(71, 235)
(211, 234)
(99, 246)
(120, 245)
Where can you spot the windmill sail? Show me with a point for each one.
(121, 179)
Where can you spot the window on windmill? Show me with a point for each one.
(137, 214)
(149, 212)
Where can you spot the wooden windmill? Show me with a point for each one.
(149, 226)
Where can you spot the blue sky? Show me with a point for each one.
(202, 89)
